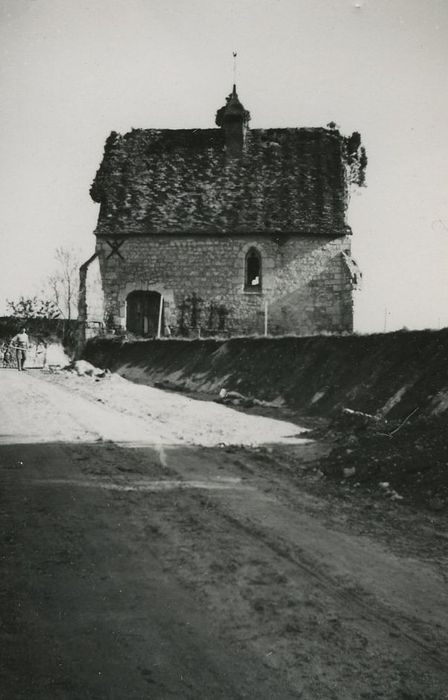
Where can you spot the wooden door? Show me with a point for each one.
(142, 313)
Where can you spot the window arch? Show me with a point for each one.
(252, 270)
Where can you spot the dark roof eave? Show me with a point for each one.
(320, 233)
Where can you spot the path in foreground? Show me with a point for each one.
(140, 560)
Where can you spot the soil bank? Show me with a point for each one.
(385, 374)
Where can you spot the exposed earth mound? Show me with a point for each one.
(388, 375)
(383, 398)
(397, 460)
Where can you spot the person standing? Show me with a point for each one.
(21, 343)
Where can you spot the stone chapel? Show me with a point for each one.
(223, 231)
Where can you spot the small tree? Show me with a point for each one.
(62, 286)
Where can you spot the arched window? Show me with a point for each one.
(252, 278)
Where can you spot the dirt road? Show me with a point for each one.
(155, 546)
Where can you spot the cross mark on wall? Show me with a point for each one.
(115, 246)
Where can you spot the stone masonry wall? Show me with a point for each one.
(305, 283)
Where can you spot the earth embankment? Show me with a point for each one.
(389, 375)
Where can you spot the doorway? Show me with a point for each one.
(142, 313)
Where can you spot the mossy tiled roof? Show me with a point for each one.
(174, 181)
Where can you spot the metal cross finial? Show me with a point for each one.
(234, 67)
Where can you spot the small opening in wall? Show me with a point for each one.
(253, 271)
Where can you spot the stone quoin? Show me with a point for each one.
(223, 231)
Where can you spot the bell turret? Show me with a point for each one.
(234, 119)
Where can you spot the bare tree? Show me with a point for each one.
(62, 286)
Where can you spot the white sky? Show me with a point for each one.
(71, 71)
